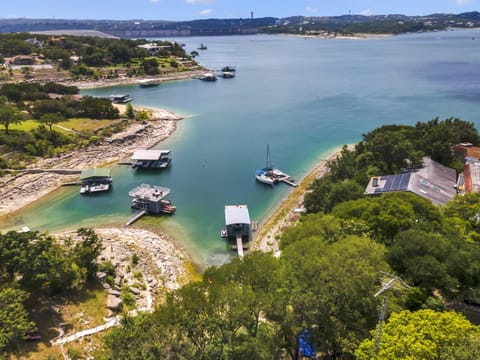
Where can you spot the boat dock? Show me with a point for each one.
(150, 200)
(136, 216)
(288, 180)
(237, 227)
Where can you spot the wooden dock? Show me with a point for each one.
(239, 245)
(287, 181)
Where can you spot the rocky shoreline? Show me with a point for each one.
(21, 189)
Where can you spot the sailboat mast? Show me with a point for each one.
(268, 162)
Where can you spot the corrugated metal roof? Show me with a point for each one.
(236, 214)
(149, 154)
(95, 172)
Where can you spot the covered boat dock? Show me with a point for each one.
(152, 159)
(237, 225)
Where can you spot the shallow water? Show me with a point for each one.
(304, 97)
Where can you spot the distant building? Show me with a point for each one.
(152, 48)
(22, 60)
(434, 182)
(471, 170)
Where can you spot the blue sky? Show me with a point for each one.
(199, 9)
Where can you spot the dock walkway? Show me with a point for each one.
(136, 216)
(239, 245)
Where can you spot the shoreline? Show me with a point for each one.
(288, 211)
(22, 189)
(90, 84)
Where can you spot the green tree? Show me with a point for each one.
(433, 261)
(424, 335)
(129, 112)
(87, 251)
(325, 194)
(9, 115)
(391, 213)
(150, 66)
(50, 119)
(14, 323)
(329, 288)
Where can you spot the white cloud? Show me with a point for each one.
(155, 1)
(194, 2)
(366, 12)
(206, 12)
(310, 9)
(462, 2)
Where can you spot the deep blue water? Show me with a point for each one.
(304, 97)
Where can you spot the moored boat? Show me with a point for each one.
(270, 175)
(227, 74)
(210, 76)
(120, 98)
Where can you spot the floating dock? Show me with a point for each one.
(149, 199)
(151, 159)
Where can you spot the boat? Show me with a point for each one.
(95, 180)
(120, 98)
(270, 175)
(202, 47)
(208, 77)
(227, 74)
(228, 69)
(145, 83)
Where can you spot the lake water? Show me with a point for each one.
(303, 97)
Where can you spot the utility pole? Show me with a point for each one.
(387, 286)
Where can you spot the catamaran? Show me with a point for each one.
(270, 175)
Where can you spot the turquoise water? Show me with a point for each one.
(304, 97)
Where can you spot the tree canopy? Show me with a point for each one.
(424, 334)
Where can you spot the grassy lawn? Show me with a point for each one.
(81, 124)
(87, 125)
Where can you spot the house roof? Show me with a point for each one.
(434, 182)
(95, 172)
(236, 214)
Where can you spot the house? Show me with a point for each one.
(470, 179)
(152, 48)
(434, 182)
(23, 60)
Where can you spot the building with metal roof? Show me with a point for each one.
(237, 221)
(434, 182)
(151, 158)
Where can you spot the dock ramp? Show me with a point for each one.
(136, 216)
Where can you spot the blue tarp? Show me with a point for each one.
(305, 345)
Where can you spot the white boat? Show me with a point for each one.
(261, 175)
(210, 76)
(227, 74)
(269, 175)
(120, 98)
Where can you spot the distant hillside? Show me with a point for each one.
(345, 24)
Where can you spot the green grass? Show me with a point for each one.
(78, 124)
(26, 125)
(88, 125)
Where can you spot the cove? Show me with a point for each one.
(303, 97)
